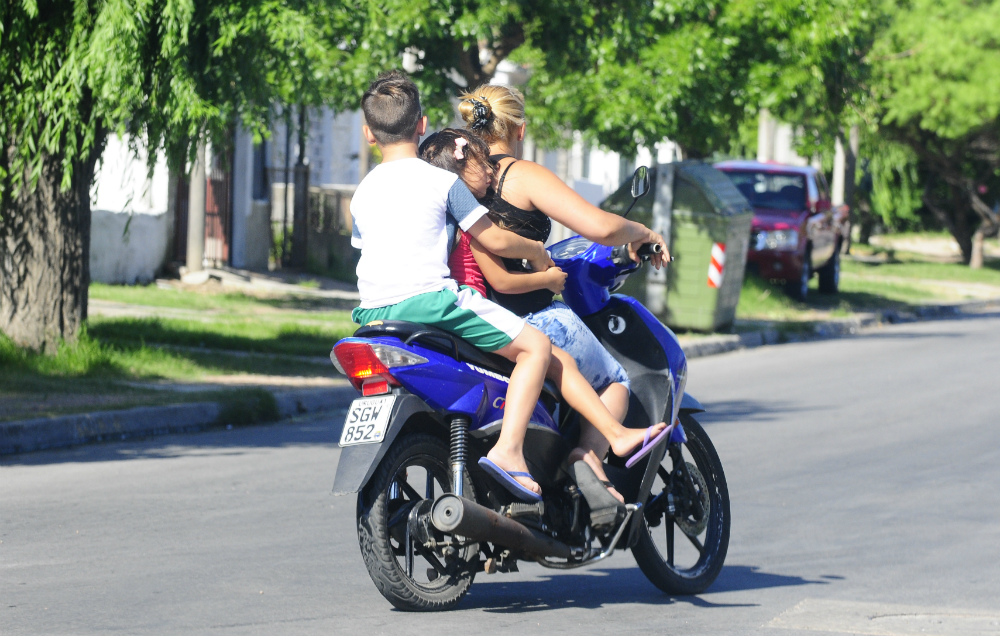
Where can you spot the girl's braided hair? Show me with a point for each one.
(440, 148)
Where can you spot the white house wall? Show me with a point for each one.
(130, 230)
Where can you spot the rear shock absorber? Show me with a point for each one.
(459, 449)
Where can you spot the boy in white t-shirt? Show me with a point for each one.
(400, 214)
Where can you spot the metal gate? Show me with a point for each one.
(218, 215)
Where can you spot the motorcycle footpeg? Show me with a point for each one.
(605, 510)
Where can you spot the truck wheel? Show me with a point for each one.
(829, 274)
(409, 575)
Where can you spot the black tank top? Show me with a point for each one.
(531, 224)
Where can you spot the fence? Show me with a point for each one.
(328, 244)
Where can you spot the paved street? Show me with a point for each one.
(863, 474)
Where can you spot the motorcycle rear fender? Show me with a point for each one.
(358, 462)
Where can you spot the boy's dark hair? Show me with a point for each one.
(439, 150)
(392, 108)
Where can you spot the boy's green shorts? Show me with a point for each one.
(466, 314)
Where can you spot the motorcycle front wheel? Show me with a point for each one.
(409, 575)
(684, 538)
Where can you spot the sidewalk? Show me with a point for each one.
(70, 430)
(277, 282)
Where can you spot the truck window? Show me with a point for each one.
(771, 190)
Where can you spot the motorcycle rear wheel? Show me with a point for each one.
(415, 468)
(659, 559)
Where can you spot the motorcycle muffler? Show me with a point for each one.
(457, 515)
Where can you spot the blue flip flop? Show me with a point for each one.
(648, 445)
(507, 480)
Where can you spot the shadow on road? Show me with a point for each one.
(736, 578)
(749, 410)
(596, 588)
(322, 429)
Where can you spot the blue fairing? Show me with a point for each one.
(675, 355)
(589, 277)
(451, 386)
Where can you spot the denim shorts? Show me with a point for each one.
(566, 331)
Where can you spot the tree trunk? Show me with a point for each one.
(45, 256)
(850, 180)
(976, 256)
(866, 222)
(956, 222)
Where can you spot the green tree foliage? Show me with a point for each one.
(696, 71)
(938, 93)
(458, 45)
(165, 71)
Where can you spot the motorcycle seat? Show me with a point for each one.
(446, 343)
(438, 340)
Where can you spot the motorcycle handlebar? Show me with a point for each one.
(647, 250)
(620, 256)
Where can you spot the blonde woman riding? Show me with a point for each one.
(525, 197)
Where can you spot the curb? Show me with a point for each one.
(70, 430)
(827, 330)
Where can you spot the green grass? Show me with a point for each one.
(225, 302)
(232, 321)
(764, 300)
(232, 333)
(90, 358)
(989, 274)
(910, 235)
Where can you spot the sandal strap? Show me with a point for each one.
(517, 473)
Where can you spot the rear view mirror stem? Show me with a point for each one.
(640, 186)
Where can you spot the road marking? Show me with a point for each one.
(879, 619)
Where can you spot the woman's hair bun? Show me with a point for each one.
(477, 112)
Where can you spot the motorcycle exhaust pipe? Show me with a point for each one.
(457, 515)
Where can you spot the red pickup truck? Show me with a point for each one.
(796, 232)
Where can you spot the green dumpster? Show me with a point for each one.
(707, 221)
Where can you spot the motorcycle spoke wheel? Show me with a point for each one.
(409, 574)
(692, 475)
(420, 565)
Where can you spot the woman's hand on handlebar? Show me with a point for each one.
(656, 259)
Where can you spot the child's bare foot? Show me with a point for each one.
(596, 465)
(513, 463)
(630, 439)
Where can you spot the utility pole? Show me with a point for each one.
(196, 212)
(300, 217)
(284, 193)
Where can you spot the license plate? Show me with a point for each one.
(366, 420)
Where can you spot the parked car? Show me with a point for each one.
(796, 232)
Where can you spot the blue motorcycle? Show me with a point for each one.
(429, 519)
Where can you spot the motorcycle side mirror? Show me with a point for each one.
(640, 186)
(640, 182)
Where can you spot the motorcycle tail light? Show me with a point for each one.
(374, 386)
(367, 364)
(359, 363)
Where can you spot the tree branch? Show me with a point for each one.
(941, 215)
(503, 49)
(468, 65)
